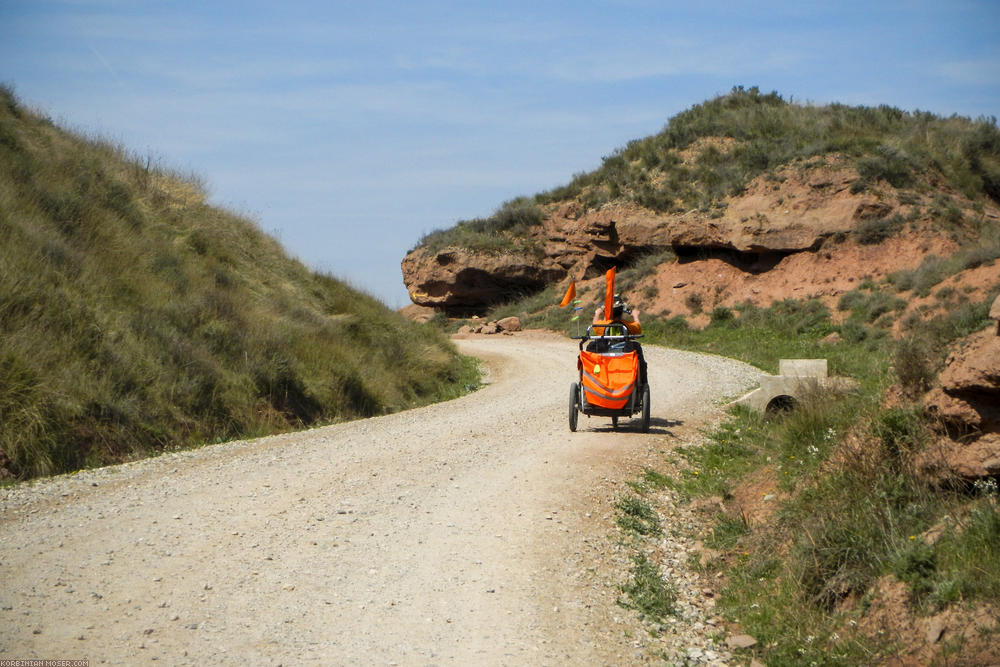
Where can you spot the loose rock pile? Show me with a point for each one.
(507, 325)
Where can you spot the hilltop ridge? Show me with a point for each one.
(743, 198)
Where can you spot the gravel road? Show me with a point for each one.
(478, 531)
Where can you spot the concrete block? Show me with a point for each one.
(797, 379)
(814, 368)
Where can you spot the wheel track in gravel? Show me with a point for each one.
(476, 531)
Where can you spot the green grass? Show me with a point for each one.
(763, 336)
(849, 506)
(503, 232)
(934, 269)
(647, 592)
(135, 318)
(970, 541)
(635, 516)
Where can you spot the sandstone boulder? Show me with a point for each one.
(464, 281)
(968, 404)
(509, 324)
(947, 459)
(979, 459)
(416, 313)
(969, 395)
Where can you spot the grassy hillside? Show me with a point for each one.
(136, 318)
(714, 149)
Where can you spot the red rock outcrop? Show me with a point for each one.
(460, 280)
(791, 212)
(967, 403)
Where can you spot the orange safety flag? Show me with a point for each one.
(570, 294)
(609, 293)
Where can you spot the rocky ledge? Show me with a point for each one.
(791, 212)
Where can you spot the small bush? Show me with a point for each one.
(504, 231)
(722, 316)
(637, 517)
(647, 591)
(944, 211)
(915, 363)
(916, 565)
(869, 307)
(886, 163)
(728, 529)
(876, 230)
(694, 302)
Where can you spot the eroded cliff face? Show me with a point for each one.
(803, 209)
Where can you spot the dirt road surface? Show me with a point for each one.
(478, 531)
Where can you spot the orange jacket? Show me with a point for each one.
(633, 327)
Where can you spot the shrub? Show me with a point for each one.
(647, 591)
(914, 362)
(722, 316)
(636, 516)
(504, 231)
(869, 306)
(876, 230)
(886, 163)
(693, 300)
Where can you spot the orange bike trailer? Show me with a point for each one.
(611, 383)
(608, 381)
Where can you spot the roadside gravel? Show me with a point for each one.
(478, 531)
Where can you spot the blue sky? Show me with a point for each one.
(350, 129)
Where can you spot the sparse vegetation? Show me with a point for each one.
(636, 516)
(504, 231)
(846, 508)
(135, 318)
(647, 592)
(869, 306)
(714, 149)
(849, 505)
(934, 269)
(642, 267)
(876, 230)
